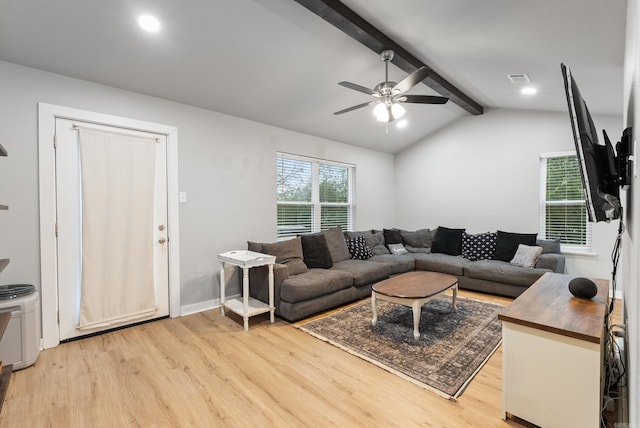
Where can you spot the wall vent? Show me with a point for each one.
(519, 78)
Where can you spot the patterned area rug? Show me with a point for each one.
(450, 351)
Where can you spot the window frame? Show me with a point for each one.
(543, 203)
(315, 203)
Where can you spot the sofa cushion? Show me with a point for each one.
(316, 251)
(418, 241)
(364, 272)
(526, 256)
(337, 244)
(552, 261)
(480, 246)
(397, 263)
(392, 236)
(289, 253)
(314, 283)
(549, 245)
(254, 246)
(380, 248)
(358, 248)
(504, 272)
(507, 244)
(448, 241)
(375, 241)
(437, 262)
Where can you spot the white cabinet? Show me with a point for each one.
(552, 355)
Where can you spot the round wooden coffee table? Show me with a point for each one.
(413, 289)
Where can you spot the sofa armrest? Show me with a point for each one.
(259, 282)
(553, 261)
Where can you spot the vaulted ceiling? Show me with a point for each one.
(277, 62)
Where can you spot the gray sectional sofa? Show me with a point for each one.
(314, 273)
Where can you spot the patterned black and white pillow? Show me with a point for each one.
(480, 246)
(358, 248)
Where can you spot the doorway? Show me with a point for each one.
(61, 208)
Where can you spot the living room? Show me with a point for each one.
(478, 172)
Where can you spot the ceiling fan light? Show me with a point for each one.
(397, 110)
(381, 113)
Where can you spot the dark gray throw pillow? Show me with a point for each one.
(316, 251)
(448, 241)
(287, 252)
(507, 244)
(337, 245)
(392, 236)
(417, 239)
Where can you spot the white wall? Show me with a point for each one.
(631, 244)
(482, 173)
(226, 166)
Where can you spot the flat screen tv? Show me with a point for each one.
(597, 161)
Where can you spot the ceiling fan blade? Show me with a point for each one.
(423, 99)
(355, 107)
(357, 87)
(411, 80)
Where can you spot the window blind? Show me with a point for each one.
(313, 195)
(563, 212)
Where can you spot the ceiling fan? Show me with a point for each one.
(388, 95)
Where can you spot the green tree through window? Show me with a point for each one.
(313, 195)
(563, 207)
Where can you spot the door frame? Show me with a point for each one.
(47, 114)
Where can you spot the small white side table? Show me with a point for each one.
(246, 306)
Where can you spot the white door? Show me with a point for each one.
(69, 229)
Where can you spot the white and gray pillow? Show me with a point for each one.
(526, 255)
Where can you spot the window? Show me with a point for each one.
(563, 211)
(313, 195)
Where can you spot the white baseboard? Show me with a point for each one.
(203, 306)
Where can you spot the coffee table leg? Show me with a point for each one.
(417, 308)
(374, 320)
(455, 295)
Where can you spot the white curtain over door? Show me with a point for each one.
(118, 173)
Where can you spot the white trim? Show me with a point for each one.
(195, 308)
(47, 114)
(557, 154)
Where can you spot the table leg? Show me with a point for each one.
(374, 320)
(245, 298)
(222, 289)
(417, 308)
(271, 302)
(455, 296)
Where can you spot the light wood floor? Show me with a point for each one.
(203, 370)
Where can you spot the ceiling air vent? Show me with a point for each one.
(519, 78)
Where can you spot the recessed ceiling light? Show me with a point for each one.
(528, 90)
(149, 23)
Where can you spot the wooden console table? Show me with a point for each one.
(552, 354)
